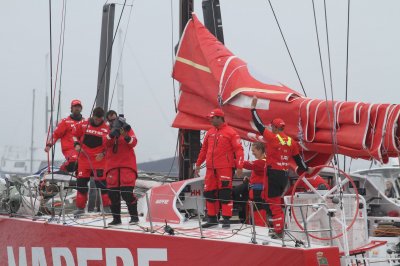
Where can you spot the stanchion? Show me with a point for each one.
(62, 203)
(305, 226)
(149, 213)
(31, 200)
(199, 219)
(102, 209)
(253, 233)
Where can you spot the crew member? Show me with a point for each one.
(111, 116)
(63, 131)
(256, 183)
(88, 136)
(279, 149)
(223, 152)
(121, 169)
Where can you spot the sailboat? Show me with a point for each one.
(169, 231)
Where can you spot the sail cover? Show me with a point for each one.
(211, 76)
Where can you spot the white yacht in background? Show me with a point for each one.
(17, 160)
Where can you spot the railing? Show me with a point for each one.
(63, 211)
(30, 197)
(305, 230)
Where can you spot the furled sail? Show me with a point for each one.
(211, 76)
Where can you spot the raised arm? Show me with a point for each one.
(256, 119)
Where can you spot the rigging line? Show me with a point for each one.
(53, 91)
(329, 51)
(331, 86)
(120, 56)
(52, 104)
(50, 128)
(60, 46)
(173, 55)
(175, 155)
(324, 83)
(62, 54)
(287, 48)
(62, 38)
(147, 83)
(347, 47)
(347, 58)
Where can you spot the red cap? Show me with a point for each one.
(216, 112)
(278, 123)
(75, 103)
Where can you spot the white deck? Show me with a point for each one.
(238, 233)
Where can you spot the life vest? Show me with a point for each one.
(283, 142)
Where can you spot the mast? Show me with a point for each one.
(103, 80)
(120, 82)
(190, 139)
(32, 129)
(212, 18)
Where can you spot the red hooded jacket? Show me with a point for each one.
(90, 138)
(258, 170)
(121, 155)
(221, 148)
(279, 149)
(64, 131)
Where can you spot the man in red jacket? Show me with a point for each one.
(223, 152)
(279, 149)
(121, 169)
(63, 131)
(88, 136)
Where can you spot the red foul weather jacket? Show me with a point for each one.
(120, 152)
(64, 131)
(279, 149)
(90, 138)
(258, 170)
(221, 148)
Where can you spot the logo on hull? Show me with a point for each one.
(83, 256)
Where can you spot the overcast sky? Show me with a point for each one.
(250, 32)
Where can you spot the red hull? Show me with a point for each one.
(56, 244)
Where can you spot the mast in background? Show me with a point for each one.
(189, 140)
(103, 80)
(46, 82)
(120, 81)
(212, 18)
(32, 129)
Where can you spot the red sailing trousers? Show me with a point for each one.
(260, 214)
(218, 189)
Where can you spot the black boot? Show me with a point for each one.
(226, 223)
(211, 221)
(116, 213)
(132, 208)
(116, 220)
